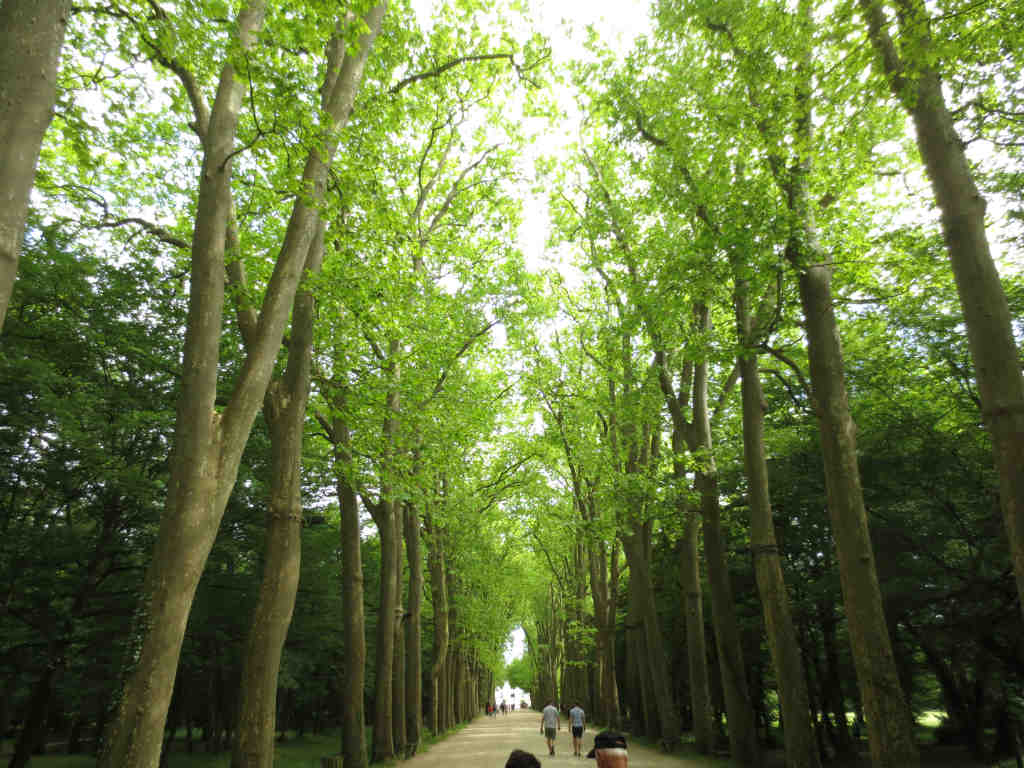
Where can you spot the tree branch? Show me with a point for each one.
(442, 68)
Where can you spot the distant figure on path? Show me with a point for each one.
(577, 722)
(550, 724)
(610, 750)
(521, 759)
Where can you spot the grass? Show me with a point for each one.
(304, 752)
(296, 752)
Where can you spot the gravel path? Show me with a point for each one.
(487, 741)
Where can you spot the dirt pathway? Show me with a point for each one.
(487, 741)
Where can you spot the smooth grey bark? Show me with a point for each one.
(31, 36)
(918, 86)
(208, 443)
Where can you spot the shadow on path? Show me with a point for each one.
(487, 741)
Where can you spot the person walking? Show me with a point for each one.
(550, 725)
(577, 722)
(610, 750)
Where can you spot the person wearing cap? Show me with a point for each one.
(550, 724)
(520, 759)
(610, 750)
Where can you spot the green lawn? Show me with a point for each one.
(302, 752)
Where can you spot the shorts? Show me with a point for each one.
(577, 731)
(549, 733)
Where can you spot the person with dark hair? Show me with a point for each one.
(550, 725)
(521, 759)
(577, 721)
(610, 750)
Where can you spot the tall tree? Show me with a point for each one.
(284, 407)
(791, 165)
(741, 247)
(208, 442)
(31, 36)
(911, 60)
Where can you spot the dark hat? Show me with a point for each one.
(608, 740)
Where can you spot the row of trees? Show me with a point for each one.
(322, 200)
(735, 230)
(328, 202)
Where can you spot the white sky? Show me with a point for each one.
(515, 646)
(564, 23)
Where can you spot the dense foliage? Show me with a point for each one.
(490, 442)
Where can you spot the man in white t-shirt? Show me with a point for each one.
(577, 722)
(550, 724)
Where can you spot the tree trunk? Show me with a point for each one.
(917, 84)
(608, 710)
(439, 598)
(637, 547)
(383, 734)
(742, 726)
(833, 699)
(801, 749)
(450, 690)
(33, 732)
(413, 652)
(683, 433)
(386, 514)
(890, 727)
(208, 442)
(458, 688)
(353, 664)
(10, 682)
(31, 36)
(284, 408)
(398, 674)
(696, 646)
